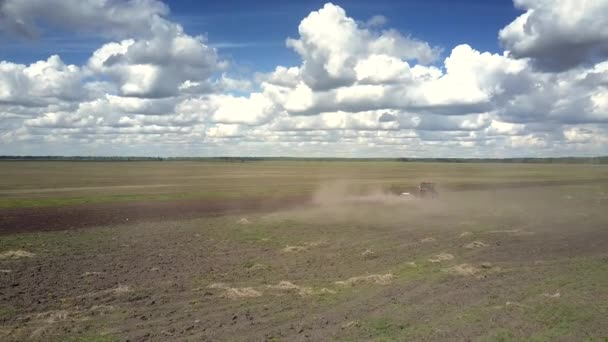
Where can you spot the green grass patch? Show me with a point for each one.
(580, 281)
(7, 312)
(502, 335)
(100, 199)
(390, 329)
(561, 320)
(584, 274)
(424, 270)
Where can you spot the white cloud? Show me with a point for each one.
(234, 84)
(253, 110)
(40, 83)
(159, 66)
(471, 79)
(331, 44)
(382, 69)
(224, 131)
(115, 18)
(527, 141)
(376, 21)
(558, 34)
(155, 59)
(504, 128)
(282, 76)
(63, 120)
(141, 106)
(362, 121)
(359, 90)
(570, 97)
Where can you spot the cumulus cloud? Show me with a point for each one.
(360, 88)
(332, 121)
(470, 83)
(224, 131)
(110, 17)
(63, 120)
(252, 110)
(558, 34)
(381, 69)
(40, 83)
(572, 97)
(159, 66)
(331, 44)
(155, 59)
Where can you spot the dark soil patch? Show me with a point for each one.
(94, 215)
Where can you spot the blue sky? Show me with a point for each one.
(476, 22)
(433, 78)
(252, 33)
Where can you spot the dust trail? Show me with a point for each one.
(359, 202)
(343, 192)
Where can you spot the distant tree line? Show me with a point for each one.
(552, 160)
(81, 158)
(561, 160)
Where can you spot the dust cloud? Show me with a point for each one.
(344, 193)
(471, 215)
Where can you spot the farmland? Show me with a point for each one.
(276, 250)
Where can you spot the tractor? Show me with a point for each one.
(426, 189)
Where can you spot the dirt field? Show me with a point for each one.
(302, 251)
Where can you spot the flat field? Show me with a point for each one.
(305, 251)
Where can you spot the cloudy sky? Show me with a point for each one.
(417, 78)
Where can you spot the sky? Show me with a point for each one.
(353, 78)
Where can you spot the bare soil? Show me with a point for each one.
(212, 271)
(94, 215)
